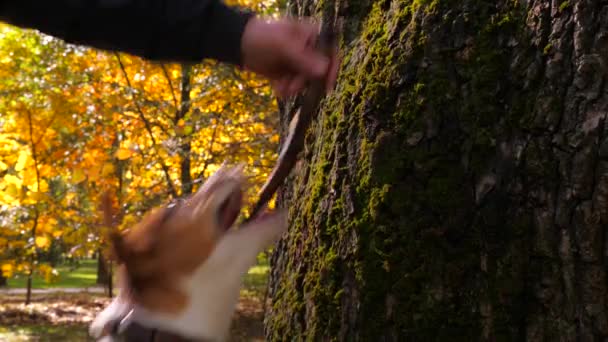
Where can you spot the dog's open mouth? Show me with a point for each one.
(230, 182)
(230, 208)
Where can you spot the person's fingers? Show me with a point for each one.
(296, 85)
(299, 50)
(305, 29)
(280, 87)
(306, 61)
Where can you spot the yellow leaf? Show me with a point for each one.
(57, 233)
(42, 241)
(50, 274)
(43, 186)
(10, 179)
(91, 158)
(21, 161)
(36, 196)
(78, 176)
(94, 174)
(124, 153)
(7, 270)
(70, 196)
(181, 123)
(12, 190)
(108, 169)
(29, 177)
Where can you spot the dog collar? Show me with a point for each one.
(125, 330)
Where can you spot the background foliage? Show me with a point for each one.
(76, 122)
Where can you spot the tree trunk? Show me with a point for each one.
(28, 288)
(186, 145)
(455, 184)
(102, 269)
(110, 280)
(3, 280)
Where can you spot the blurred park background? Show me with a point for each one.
(76, 122)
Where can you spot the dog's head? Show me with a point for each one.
(172, 242)
(182, 265)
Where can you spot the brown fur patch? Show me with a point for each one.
(164, 248)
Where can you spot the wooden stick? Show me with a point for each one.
(295, 140)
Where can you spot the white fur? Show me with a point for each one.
(116, 308)
(213, 288)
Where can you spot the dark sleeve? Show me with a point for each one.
(159, 30)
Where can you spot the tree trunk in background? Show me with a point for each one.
(186, 145)
(102, 269)
(455, 185)
(3, 280)
(28, 289)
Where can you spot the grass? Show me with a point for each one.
(254, 282)
(85, 275)
(45, 332)
(82, 276)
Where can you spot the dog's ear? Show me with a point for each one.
(118, 252)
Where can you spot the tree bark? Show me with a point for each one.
(28, 289)
(186, 144)
(102, 269)
(3, 280)
(455, 184)
(34, 255)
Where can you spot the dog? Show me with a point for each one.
(180, 269)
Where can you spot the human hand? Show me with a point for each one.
(284, 52)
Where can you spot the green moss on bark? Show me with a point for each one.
(415, 123)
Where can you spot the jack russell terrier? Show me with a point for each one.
(180, 269)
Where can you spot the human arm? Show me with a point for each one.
(159, 30)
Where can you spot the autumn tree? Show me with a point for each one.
(454, 185)
(103, 121)
(30, 131)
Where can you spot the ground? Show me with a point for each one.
(62, 311)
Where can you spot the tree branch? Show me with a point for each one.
(175, 103)
(148, 129)
(211, 156)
